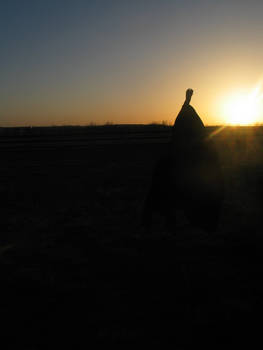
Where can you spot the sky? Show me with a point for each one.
(76, 62)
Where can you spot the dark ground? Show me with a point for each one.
(76, 268)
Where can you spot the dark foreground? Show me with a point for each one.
(76, 269)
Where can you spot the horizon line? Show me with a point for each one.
(109, 124)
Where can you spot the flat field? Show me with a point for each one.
(77, 268)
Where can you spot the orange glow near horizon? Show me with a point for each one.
(225, 105)
(236, 107)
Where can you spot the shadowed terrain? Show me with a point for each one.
(76, 267)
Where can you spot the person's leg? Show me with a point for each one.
(148, 209)
(170, 223)
(188, 96)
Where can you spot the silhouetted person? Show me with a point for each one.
(188, 128)
(188, 177)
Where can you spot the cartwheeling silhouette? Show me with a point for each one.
(188, 177)
(188, 128)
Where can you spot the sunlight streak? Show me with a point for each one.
(217, 131)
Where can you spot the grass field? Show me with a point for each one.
(77, 268)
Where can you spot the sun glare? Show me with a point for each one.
(244, 108)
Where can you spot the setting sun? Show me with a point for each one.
(243, 108)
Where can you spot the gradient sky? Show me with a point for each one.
(123, 61)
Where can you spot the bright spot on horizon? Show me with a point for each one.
(244, 108)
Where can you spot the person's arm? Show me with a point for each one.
(188, 96)
(186, 106)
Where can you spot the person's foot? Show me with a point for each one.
(188, 95)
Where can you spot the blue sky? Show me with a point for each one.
(76, 62)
